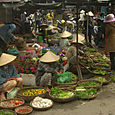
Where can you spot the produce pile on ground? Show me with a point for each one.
(101, 79)
(58, 93)
(39, 102)
(2, 112)
(86, 93)
(30, 92)
(66, 77)
(11, 103)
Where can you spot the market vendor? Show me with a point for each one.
(6, 35)
(9, 79)
(47, 69)
(64, 42)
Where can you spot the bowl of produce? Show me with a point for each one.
(41, 104)
(11, 103)
(29, 94)
(7, 112)
(83, 93)
(23, 110)
(59, 95)
(67, 78)
(100, 72)
(103, 79)
(90, 84)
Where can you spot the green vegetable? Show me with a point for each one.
(6, 113)
(58, 93)
(91, 49)
(101, 79)
(100, 72)
(87, 93)
(89, 83)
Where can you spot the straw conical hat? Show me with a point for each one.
(49, 57)
(1, 25)
(81, 38)
(90, 13)
(66, 34)
(6, 59)
(82, 11)
(51, 27)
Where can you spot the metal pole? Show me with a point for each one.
(77, 59)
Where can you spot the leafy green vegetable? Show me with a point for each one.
(6, 113)
(87, 93)
(91, 49)
(89, 83)
(100, 72)
(101, 79)
(58, 93)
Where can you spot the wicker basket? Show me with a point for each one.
(21, 107)
(30, 97)
(88, 98)
(3, 107)
(107, 77)
(61, 100)
(89, 80)
(41, 109)
(7, 110)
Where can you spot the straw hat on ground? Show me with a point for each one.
(66, 34)
(49, 57)
(90, 13)
(6, 59)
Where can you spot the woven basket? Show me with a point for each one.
(107, 77)
(29, 98)
(3, 107)
(88, 98)
(41, 109)
(7, 110)
(61, 100)
(89, 80)
(20, 113)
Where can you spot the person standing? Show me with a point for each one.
(110, 38)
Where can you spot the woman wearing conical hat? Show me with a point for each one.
(47, 67)
(9, 79)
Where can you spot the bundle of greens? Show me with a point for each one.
(101, 79)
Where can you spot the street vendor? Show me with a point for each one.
(47, 69)
(9, 79)
(64, 42)
(6, 35)
(110, 38)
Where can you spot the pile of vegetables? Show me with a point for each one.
(58, 93)
(86, 93)
(11, 103)
(39, 102)
(31, 92)
(100, 72)
(101, 79)
(66, 77)
(2, 112)
(24, 110)
(89, 83)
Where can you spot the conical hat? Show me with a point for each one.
(90, 13)
(82, 11)
(81, 38)
(66, 34)
(49, 57)
(51, 27)
(6, 59)
(1, 25)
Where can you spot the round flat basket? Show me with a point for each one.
(8, 111)
(107, 77)
(84, 81)
(24, 110)
(88, 98)
(62, 100)
(11, 103)
(28, 98)
(41, 109)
